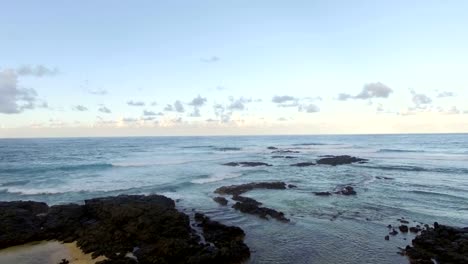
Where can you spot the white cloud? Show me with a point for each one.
(80, 108)
(98, 92)
(177, 107)
(445, 94)
(369, 91)
(311, 108)
(198, 101)
(135, 103)
(104, 109)
(36, 71)
(14, 99)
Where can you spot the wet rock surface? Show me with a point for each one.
(252, 206)
(340, 160)
(323, 193)
(445, 244)
(221, 200)
(246, 164)
(283, 157)
(242, 188)
(148, 226)
(347, 190)
(284, 151)
(303, 164)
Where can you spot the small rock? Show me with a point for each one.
(403, 228)
(393, 232)
(221, 200)
(387, 237)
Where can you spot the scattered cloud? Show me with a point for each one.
(98, 92)
(211, 59)
(135, 103)
(282, 99)
(198, 101)
(129, 120)
(104, 109)
(154, 103)
(220, 88)
(238, 104)
(14, 99)
(151, 113)
(176, 107)
(420, 100)
(445, 94)
(310, 108)
(195, 113)
(369, 91)
(36, 71)
(80, 108)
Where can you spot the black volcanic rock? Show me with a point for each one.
(283, 151)
(251, 206)
(347, 190)
(340, 160)
(113, 226)
(303, 164)
(242, 188)
(20, 222)
(403, 228)
(322, 193)
(443, 243)
(246, 164)
(221, 200)
(272, 148)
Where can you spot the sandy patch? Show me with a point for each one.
(46, 252)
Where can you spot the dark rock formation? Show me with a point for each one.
(443, 243)
(393, 232)
(246, 164)
(228, 240)
(292, 186)
(387, 238)
(227, 149)
(383, 178)
(283, 157)
(303, 164)
(283, 151)
(322, 193)
(415, 229)
(340, 160)
(148, 226)
(242, 188)
(403, 228)
(347, 190)
(221, 200)
(251, 206)
(272, 148)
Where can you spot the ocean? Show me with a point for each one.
(421, 178)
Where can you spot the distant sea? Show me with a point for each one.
(426, 180)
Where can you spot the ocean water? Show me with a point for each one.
(429, 182)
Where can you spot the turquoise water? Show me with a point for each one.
(429, 183)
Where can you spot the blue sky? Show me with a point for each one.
(256, 67)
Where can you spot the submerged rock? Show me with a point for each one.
(283, 157)
(221, 200)
(340, 160)
(347, 190)
(242, 188)
(283, 151)
(322, 193)
(272, 148)
(303, 164)
(251, 206)
(114, 226)
(246, 164)
(442, 243)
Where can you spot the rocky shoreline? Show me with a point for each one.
(146, 228)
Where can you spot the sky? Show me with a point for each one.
(159, 68)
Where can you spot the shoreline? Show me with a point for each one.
(46, 252)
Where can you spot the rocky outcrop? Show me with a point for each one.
(303, 164)
(322, 193)
(284, 151)
(283, 157)
(242, 188)
(246, 164)
(347, 190)
(148, 226)
(221, 200)
(340, 160)
(442, 243)
(252, 206)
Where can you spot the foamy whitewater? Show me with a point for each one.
(429, 182)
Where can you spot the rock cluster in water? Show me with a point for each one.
(340, 160)
(148, 226)
(252, 206)
(444, 244)
(246, 164)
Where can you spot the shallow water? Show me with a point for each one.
(429, 182)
